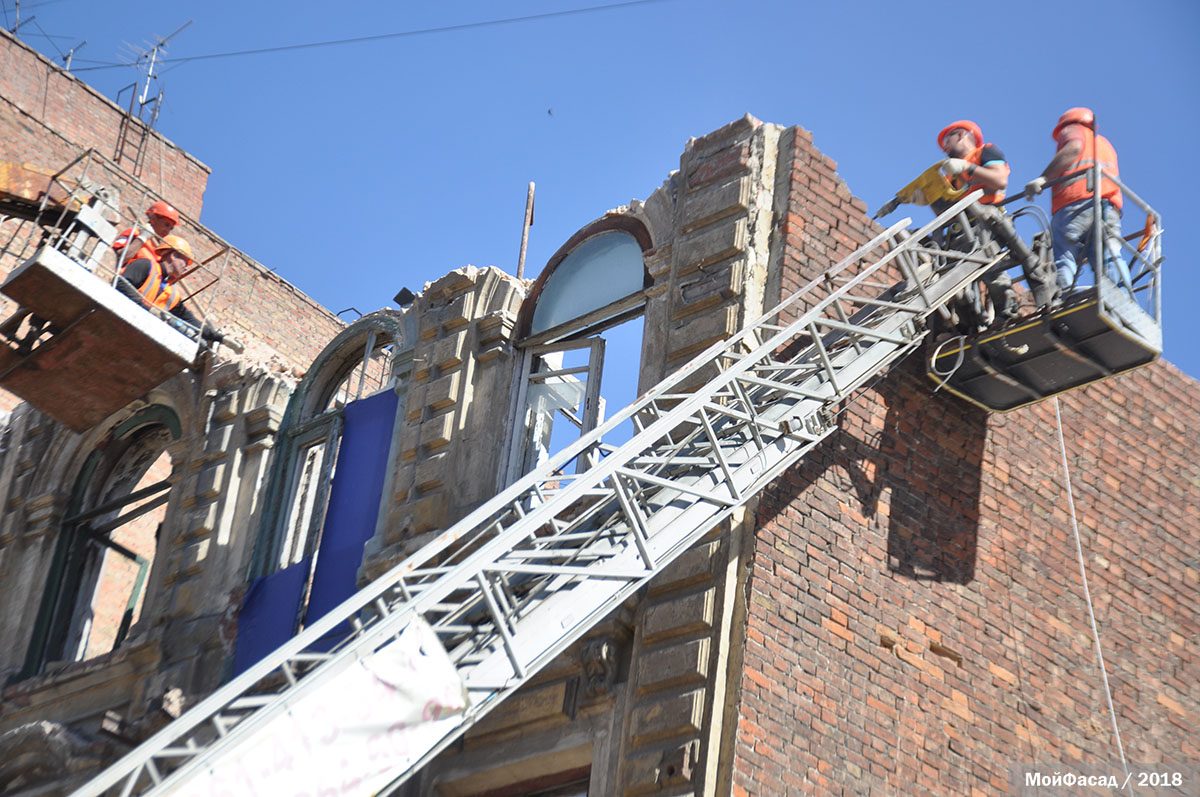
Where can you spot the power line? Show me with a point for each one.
(27, 7)
(398, 35)
(40, 3)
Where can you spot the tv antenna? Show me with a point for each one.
(150, 58)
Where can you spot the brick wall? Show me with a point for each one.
(915, 614)
(49, 116)
(821, 223)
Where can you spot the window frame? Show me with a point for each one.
(568, 334)
(56, 622)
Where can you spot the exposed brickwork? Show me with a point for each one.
(915, 614)
(821, 222)
(50, 116)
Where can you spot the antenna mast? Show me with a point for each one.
(160, 45)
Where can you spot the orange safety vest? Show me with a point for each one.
(143, 251)
(158, 290)
(969, 185)
(1080, 188)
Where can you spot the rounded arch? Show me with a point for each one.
(153, 427)
(108, 541)
(611, 223)
(341, 356)
(311, 427)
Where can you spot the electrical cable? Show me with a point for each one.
(29, 6)
(1062, 447)
(397, 35)
(945, 376)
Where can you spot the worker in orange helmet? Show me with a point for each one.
(155, 281)
(971, 163)
(130, 245)
(1072, 220)
(974, 164)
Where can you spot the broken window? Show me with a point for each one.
(364, 369)
(95, 592)
(330, 473)
(582, 341)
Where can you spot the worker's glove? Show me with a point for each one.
(211, 333)
(1034, 187)
(954, 166)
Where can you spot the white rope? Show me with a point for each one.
(1062, 447)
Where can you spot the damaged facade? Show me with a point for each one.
(897, 613)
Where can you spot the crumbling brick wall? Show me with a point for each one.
(915, 613)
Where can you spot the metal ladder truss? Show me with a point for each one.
(518, 580)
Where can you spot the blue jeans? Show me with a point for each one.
(1072, 227)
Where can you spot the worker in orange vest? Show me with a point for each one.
(1072, 221)
(155, 281)
(130, 245)
(975, 164)
(972, 163)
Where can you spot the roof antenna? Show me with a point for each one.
(71, 54)
(152, 59)
(18, 22)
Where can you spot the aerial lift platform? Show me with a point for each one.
(1003, 363)
(75, 347)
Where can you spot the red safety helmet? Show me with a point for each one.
(1075, 116)
(161, 208)
(961, 124)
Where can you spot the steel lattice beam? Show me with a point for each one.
(509, 587)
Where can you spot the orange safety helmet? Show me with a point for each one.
(178, 244)
(961, 124)
(161, 208)
(1075, 116)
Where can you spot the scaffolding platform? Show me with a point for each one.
(1088, 339)
(99, 350)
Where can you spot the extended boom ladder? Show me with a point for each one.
(514, 583)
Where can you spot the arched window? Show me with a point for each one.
(327, 481)
(95, 591)
(595, 276)
(584, 310)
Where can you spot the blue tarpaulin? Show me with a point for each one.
(268, 616)
(353, 501)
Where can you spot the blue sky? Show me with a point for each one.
(355, 170)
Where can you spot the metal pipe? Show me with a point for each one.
(117, 503)
(525, 232)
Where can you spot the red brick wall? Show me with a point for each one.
(48, 116)
(824, 222)
(915, 613)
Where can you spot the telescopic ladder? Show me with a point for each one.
(526, 574)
